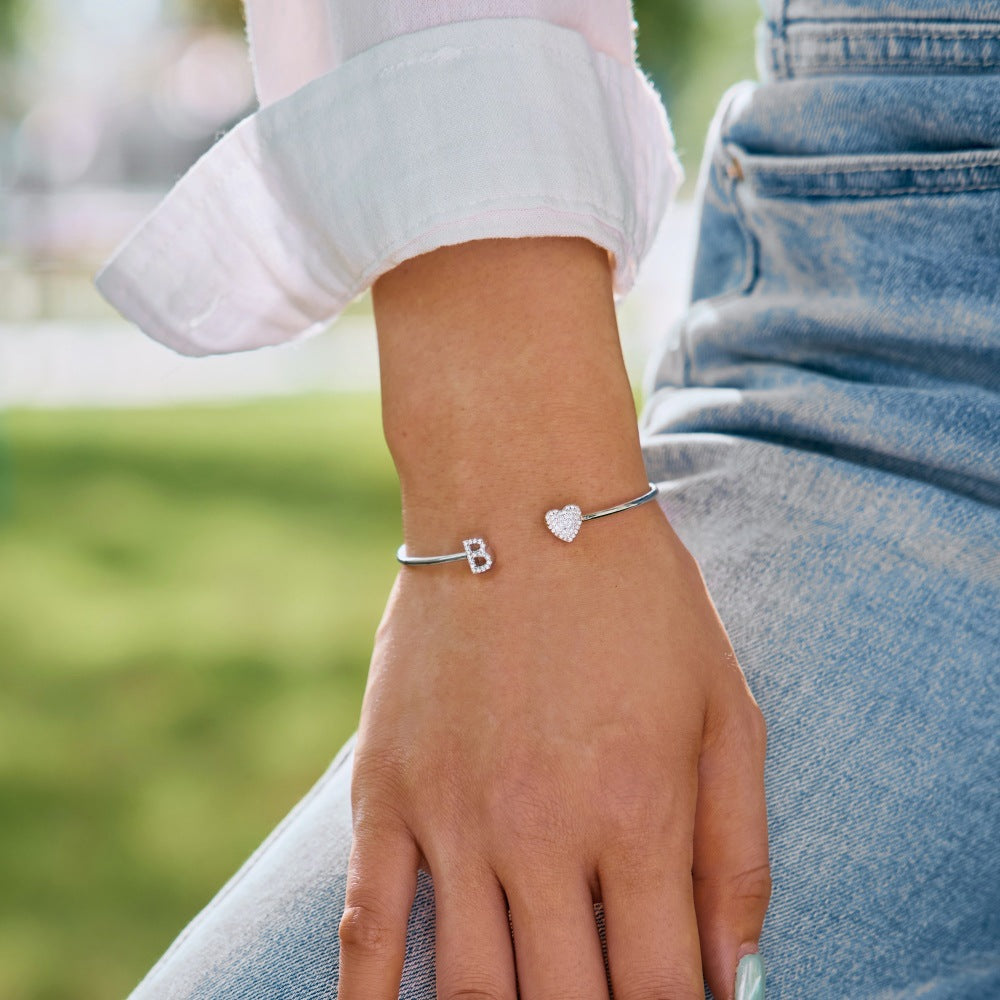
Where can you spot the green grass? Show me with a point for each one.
(187, 602)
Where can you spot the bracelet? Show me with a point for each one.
(563, 522)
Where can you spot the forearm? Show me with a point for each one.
(504, 391)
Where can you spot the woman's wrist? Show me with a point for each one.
(491, 488)
(504, 392)
(499, 483)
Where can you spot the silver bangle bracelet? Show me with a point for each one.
(563, 522)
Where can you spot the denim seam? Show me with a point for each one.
(861, 22)
(792, 42)
(825, 61)
(923, 36)
(962, 171)
(876, 30)
(775, 53)
(836, 61)
(785, 54)
(879, 35)
(777, 42)
(876, 166)
(809, 46)
(751, 266)
(869, 63)
(888, 192)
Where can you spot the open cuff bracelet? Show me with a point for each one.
(563, 522)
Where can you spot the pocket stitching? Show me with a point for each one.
(789, 176)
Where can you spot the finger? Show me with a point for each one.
(557, 950)
(649, 920)
(474, 953)
(732, 883)
(381, 885)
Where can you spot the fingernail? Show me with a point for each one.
(750, 978)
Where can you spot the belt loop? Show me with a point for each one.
(773, 59)
(783, 35)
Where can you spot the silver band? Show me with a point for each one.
(648, 495)
(563, 522)
(475, 552)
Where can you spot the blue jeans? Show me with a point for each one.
(823, 424)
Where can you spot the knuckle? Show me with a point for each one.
(639, 799)
(380, 770)
(632, 816)
(529, 806)
(475, 992)
(757, 725)
(375, 825)
(754, 885)
(748, 890)
(364, 930)
(738, 728)
(679, 984)
(380, 800)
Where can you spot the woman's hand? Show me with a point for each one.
(571, 725)
(576, 729)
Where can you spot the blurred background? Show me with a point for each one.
(194, 553)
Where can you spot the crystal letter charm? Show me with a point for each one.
(480, 559)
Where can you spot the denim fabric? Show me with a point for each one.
(825, 421)
(823, 426)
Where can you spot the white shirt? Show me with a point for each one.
(389, 129)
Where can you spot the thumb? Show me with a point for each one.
(731, 874)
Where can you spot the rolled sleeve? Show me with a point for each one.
(497, 127)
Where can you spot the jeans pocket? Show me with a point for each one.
(889, 257)
(897, 228)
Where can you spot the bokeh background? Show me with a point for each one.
(194, 553)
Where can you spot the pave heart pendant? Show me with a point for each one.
(565, 523)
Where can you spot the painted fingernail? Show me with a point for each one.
(750, 978)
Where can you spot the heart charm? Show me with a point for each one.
(565, 523)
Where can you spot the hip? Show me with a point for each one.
(846, 288)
